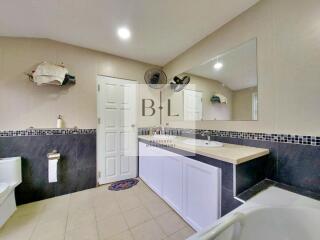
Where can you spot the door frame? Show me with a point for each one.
(99, 159)
(183, 101)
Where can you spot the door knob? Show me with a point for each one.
(133, 125)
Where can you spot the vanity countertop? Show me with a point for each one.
(231, 153)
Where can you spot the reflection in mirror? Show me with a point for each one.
(223, 88)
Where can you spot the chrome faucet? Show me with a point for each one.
(158, 130)
(207, 133)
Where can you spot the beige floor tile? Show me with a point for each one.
(55, 208)
(102, 188)
(182, 234)
(83, 195)
(80, 218)
(124, 193)
(148, 196)
(137, 216)
(49, 230)
(138, 191)
(112, 226)
(83, 232)
(170, 222)
(85, 198)
(141, 188)
(129, 202)
(18, 228)
(97, 214)
(108, 209)
(102, 198)
(105, 191)
(141, 182)
(30, 208)
(126, 235)
(58, 201)
(157, 207)
(51, 215)
(15, 235)
(78, 208)
(51, 237)
(148, 231)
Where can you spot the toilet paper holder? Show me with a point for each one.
(54, 155)
(53, 159)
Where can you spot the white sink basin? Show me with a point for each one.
(162, 137)
(202, 143)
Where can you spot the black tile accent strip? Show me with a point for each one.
(281, 138)
(46, 132)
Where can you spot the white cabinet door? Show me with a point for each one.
(201, 193)
(144, 162)
(172, 182)
(151, 167)
(156, 174)
(143, 168)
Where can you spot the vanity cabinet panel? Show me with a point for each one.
(172, 182)
(150, 167)
(201, 193)
(190, 187)
(155, 174)
(144, 165)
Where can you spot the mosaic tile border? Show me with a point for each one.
(281, 138)
(45, 132)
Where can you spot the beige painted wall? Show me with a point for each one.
(208, 87)
(23, 104)
(242, 104)
(288, 33)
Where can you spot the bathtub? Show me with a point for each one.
(273, 214)
(10, 178)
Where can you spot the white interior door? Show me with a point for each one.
(192, 102)
(117, 132)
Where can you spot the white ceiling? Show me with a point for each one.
(161, 29)
(239, 67)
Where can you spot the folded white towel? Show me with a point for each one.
(47, 73)
(223, 99)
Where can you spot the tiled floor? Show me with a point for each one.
(133, 214)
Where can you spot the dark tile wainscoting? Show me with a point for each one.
(296, 165)
(76, 168)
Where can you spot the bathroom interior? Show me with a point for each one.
(150, 120)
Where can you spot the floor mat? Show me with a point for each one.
(124, 184)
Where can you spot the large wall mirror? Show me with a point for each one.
(225, 87)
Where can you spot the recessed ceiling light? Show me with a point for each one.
(218, 65)
(124, 33)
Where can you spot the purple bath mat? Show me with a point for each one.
(123, 185)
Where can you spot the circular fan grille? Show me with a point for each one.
(155, 78)
(179, 84)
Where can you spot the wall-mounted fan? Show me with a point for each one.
(179, 84)
(155, 78)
